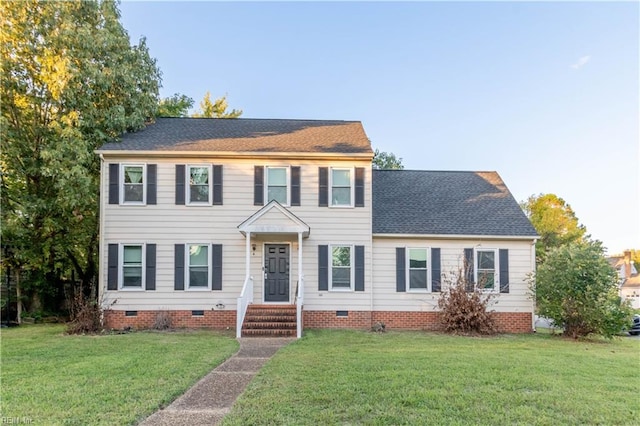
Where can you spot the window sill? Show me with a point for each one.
(198, 204)
(341, 290)
(131, 289)
(196, 289)
(341, 207)
(131, 203)
(418, 290)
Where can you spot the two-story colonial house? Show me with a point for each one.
(261, 224)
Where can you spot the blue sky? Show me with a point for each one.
(544, 93)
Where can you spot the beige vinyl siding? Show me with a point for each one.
(166, 224)
(451, 261)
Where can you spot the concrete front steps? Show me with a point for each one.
(270, 321)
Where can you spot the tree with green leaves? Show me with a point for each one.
(70, 81)
(216, 109)
(555, 222)
(175, 106)
(386, 161)
(577, 289)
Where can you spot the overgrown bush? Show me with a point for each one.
(162, 321)
(86, 315)
(464, 308)
(577, 289)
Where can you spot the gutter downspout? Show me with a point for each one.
(101, 234)
(533, 296)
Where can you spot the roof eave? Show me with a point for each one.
(459, 236)
(233, 154)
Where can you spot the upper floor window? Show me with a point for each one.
(341, 270)
(486, 268)
(133, 184)
(277, 184)
(417, 269)
(341, 188)
(199, 185)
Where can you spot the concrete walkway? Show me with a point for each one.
(209, 400)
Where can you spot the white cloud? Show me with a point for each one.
(581, 62)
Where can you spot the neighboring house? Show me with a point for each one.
(628, 278)
(243, 223)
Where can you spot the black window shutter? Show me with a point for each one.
(323, 268)
(114, 184)
(216, 266)
(217, 185)
(152, 178)
(179, 267)
(150, 274)
(469, 268)
(359, 261)
(504, 271)
(180, 184)
(112, 270)
(401, 276)
(359, 202)
(258, 186)
(295, 185)
(323, 187)
(435, 270)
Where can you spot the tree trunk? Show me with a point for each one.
(18, 299)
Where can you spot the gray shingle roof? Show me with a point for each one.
(445, 203)
(246, 135)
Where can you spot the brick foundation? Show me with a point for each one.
(329, 319)
(508, 322)
(179, 319)
(514, 322)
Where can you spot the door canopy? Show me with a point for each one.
(274, 219)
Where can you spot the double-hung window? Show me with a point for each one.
(133, 181)
(132, 266)
(341, 187)
(341, 270)
(199, 191)
(277, 187)
(417, 269)
(198, 267)
(486, 268)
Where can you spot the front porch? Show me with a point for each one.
(277, 230)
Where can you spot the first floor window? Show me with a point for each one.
(341, 267)
(486, 268)
(199, 187)
(417, 269)
(341, 186)
(132, 266)
(198, 266)
(277, 184)
(133, 181)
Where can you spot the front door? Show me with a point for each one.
(276, 273)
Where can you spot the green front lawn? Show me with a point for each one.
(350, 377)
(49, 378)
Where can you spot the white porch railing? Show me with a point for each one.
(245, 299)
(299, 304)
